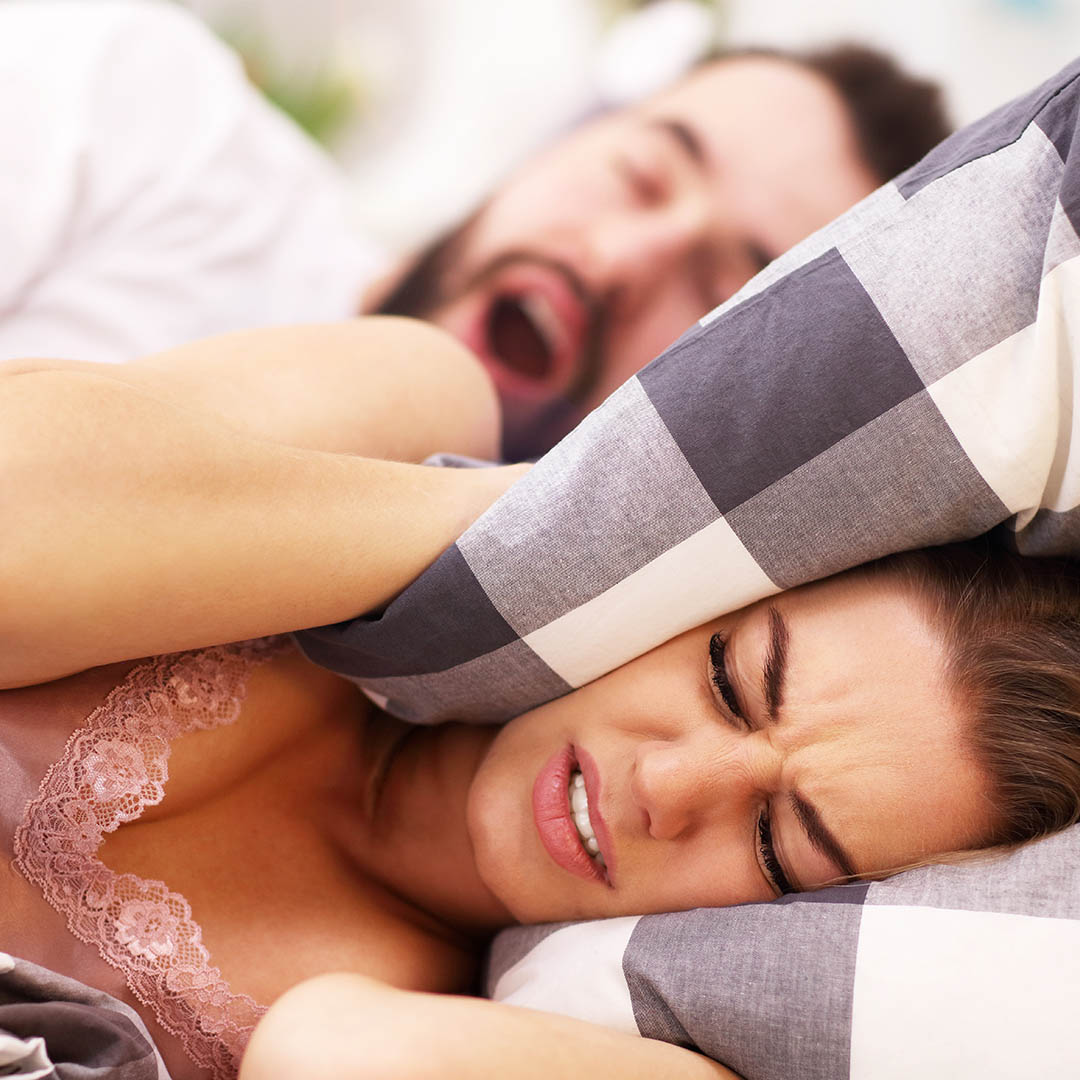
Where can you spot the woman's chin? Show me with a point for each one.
(524, 889)
(503, 863)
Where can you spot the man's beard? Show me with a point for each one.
(427, 287)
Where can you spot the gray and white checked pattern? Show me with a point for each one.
(908, 376)
(944, 973)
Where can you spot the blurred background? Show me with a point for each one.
(404, 91)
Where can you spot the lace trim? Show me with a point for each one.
(111, 770)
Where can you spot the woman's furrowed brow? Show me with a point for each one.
(774, 670)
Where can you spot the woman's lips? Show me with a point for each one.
(551, 813)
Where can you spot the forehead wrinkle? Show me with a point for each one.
(872, 735)
(877, 750)
(941, 800)
(875, 706)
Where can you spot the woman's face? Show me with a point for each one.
(802, 740)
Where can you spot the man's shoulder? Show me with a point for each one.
(79, 39)
(151, 194)
(92, 24)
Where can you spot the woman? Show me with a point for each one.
(836, 731)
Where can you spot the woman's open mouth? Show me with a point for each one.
(567, 827)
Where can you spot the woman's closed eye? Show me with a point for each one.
(719, 678)
(765, 855)
(774, 872)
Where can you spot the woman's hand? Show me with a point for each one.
(351, 1027)
(139, 520)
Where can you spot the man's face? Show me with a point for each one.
(600, 252)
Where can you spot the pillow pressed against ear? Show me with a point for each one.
(903, 378)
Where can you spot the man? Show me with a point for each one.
(150, 197)
(602, 250)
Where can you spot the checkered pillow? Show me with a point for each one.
(904, 377)
(907, 376)
(941, 973)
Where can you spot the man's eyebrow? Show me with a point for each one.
(685, 137)
(690, 142)
(774, 670)
(820, 837)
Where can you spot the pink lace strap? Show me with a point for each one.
(111, 770)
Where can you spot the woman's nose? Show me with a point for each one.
(678, 784)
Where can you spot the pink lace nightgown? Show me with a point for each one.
(71, 772)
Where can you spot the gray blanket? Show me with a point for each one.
(54, 1028)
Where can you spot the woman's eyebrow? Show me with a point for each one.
(821, 838)
(774, 670)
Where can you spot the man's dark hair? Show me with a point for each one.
(897, 117)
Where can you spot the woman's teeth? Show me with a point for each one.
(579, 811)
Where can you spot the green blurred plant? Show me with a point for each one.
(322, 100)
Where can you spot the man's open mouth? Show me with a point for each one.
(523, 333)
(532, 327)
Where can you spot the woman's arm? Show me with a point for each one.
(380, 387)
(140, 520)
(354, 1028)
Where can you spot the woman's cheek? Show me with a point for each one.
(497, 818)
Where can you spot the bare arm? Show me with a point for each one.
(354, 1028)
(380, 387)
(139, 519)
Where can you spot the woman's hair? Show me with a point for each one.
(1011, 627)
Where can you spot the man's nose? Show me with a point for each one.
(681, 783)
(629, 251)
